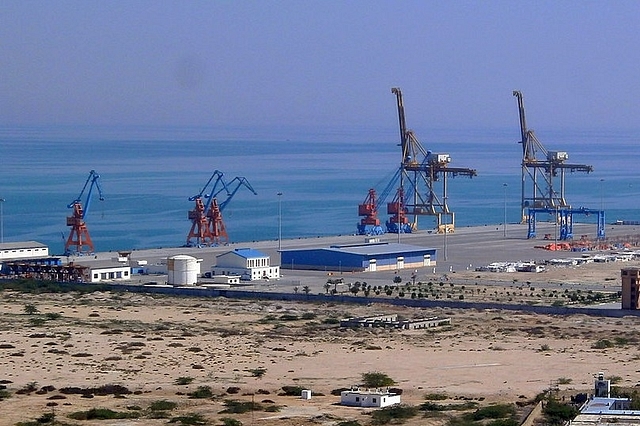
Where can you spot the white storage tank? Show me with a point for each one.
(306, 394)
(182, 270)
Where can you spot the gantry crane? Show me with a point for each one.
(370, 223)
(79, 241)
(207, 226)
(198, 216)
(543, 182)
(420, 173)
(216, 227)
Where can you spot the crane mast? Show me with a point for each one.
(423, 181)
(79, 241)
(207, 226)
(543, 179)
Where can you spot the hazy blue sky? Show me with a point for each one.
(320, 63)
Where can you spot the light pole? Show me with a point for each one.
(2, 200)
(279, 194)
(504, 223)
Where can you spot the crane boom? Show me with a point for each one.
(420, 170)
(207, 227)
(79, 241)
(543, 178)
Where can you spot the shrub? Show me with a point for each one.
(375, 379)
(201, 392)
(395, 413)
(162, 405)
(558, 413)
(435, 397)
(190, 419)
(102, 414)
(183, 380)
(602, 344)
(497, 411)
(238, 407)
(292, 390)
(227, 421)
(257, 372)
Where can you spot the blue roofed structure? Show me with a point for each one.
(359, 257)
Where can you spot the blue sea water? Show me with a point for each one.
(148, 174)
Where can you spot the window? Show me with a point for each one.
(374, 400)
(357, 399)
(95, 276)
(126, 273)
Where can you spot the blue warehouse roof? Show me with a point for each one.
(249, 253)
(378, 249)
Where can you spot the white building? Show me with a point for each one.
(367, 398)
(248, 263)
(23, 250)
(101, 272)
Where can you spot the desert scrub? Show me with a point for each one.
(189, 419)
(183, 380)
(233, 406)
(394, 414)
(102, 414)
(162, 405)
(257, 372)
(201, 392)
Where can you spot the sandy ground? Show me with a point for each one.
(145, 343)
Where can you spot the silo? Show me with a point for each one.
(182, 270)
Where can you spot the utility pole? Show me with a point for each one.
(279, 194)
(504, 223)
(2, 200)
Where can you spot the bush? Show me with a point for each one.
(190, 419)
(238, 407)
(498, 411)
(227, 421)
(375, 379)
(257, 372)
(183, 380)
(201, 392)
(102, 414)
(436, 397)
(292, 390)
(163, 405)
(558, 413)
(395, 414)
(602, 344)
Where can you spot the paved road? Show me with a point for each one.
(465, 249)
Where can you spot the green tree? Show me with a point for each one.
(30, 309)
(376, 379)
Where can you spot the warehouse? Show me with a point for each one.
(360, 257)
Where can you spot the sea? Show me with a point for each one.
(148, 174)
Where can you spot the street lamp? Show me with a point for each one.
(2, 200)
(504, 223)
(279, 194)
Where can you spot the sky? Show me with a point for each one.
(320, 64)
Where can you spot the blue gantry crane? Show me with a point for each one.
(79, 241)
(207, 226)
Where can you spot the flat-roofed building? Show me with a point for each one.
(630, 288)
(23, 250)
(368, 398)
